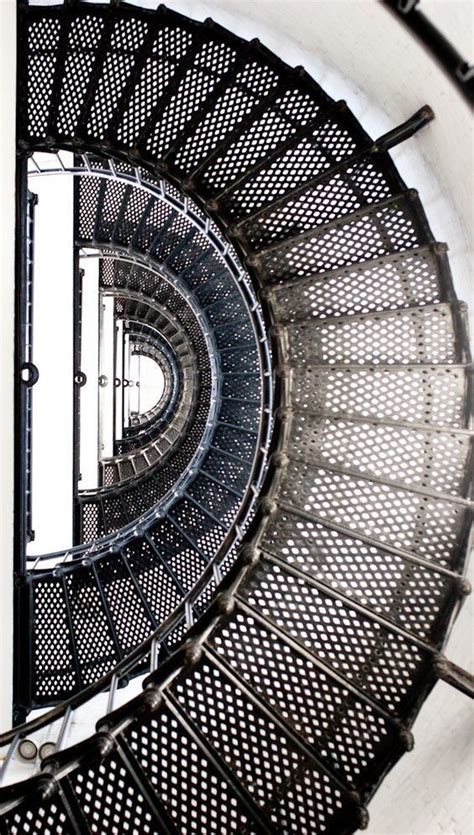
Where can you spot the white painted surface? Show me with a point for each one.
(7, 273)
(89, 393)
(148, 374)
(53, 354)
(107, 373)
(431, 790)
(119, 416)
(357, 51)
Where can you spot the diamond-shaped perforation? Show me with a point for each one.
(267, 762)
(226, 437)
(378, 231)
(423, 334)
(359, 184)
(108, 271)
(377, 660)
(43, 39)
(158, 586)
(42, 819)
(204, 269)
(170, 238)
(290, 111)
(183, 778)
(436, 461)
(251, 84)
(89, 189)
(158, 214)
(328, 144)
(92, 522)
(235, 333)
(115, 193)
(134, 501)
(244, 414)
(200, 528)
(176, 636)
(131, 621)
(126, 39)
(184, 561)
(136, 205)
(95, 647)
(54, 673)
(346, 732)
(185, 255)
(245, 386)
(431, 395)
(431, 527)
(211, 62)
(227, 469)
(391, 584)
(111, 800)
(167, 54)
(211, 290)
(204, 598)
(168, 540)
(215, 498)
(114, 515)
(231, 360)
(405, 280)
(83, 41)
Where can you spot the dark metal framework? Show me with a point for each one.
(460, 71)
(283, 685)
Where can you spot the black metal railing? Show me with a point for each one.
(290, 672)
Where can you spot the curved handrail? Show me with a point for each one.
(242, 283)
(276, 439)
(459, 71)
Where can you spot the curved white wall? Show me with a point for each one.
(359, 52)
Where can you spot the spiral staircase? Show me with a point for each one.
(276, 549)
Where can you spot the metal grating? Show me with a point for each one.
(296, 691)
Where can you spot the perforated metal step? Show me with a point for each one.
(287, 684)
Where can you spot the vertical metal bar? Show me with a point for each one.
(100, 312)
(23, 624)
(20, 343)
(112, 691)
(76, 396)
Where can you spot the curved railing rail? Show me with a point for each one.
(457, 68)
(250, 524)
(127, 531)
(303, 681)
(54, 164)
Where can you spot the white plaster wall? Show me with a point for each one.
(52, 442)
(359, 52)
